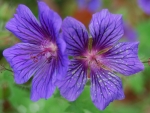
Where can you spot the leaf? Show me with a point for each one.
(136, 82)
(74, 108)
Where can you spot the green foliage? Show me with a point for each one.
(5, 12)
(136, 82)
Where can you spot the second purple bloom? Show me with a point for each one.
(98, 57)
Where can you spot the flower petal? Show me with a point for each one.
(61, 43)
(19, 57)
(123, 58)
(129, 33)
(62, 65)
(105, 88)
(144, 5)
(92, 5)
(106, 29)
(43, 82)
(62, 58)
(25, 26)
(75, 35)
(73, 84)
(50, 21)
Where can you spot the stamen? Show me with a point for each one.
(103, 66)
(80, 57)
(90, 44)
(88, 72)
(104, 50)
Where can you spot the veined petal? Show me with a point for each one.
(61, 43)
(106, 29)
(43, 82)
(62, 65)
(73, 83)
(75, 35)
(50, 21)
(123, 58)
(105, 88)
(19, 57)
(62, 58)
(129, 33)
(25, 26)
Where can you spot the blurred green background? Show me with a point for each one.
(16, 98)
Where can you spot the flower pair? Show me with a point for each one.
(44, 55)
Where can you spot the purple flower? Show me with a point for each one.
(42, 52)
(98, 58)
(129, 33)
(92, 5)
(144, 5)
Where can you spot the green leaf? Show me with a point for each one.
(136, 82)
(74, 108)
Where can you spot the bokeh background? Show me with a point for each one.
(16, 98)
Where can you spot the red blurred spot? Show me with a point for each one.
(83, 16)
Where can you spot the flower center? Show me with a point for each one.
(90, 56)
(94, 60)
(48, 50)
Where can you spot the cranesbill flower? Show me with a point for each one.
(129, 33)
(41, 53)
(144, 5)
(98, 58)
(91, 5)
